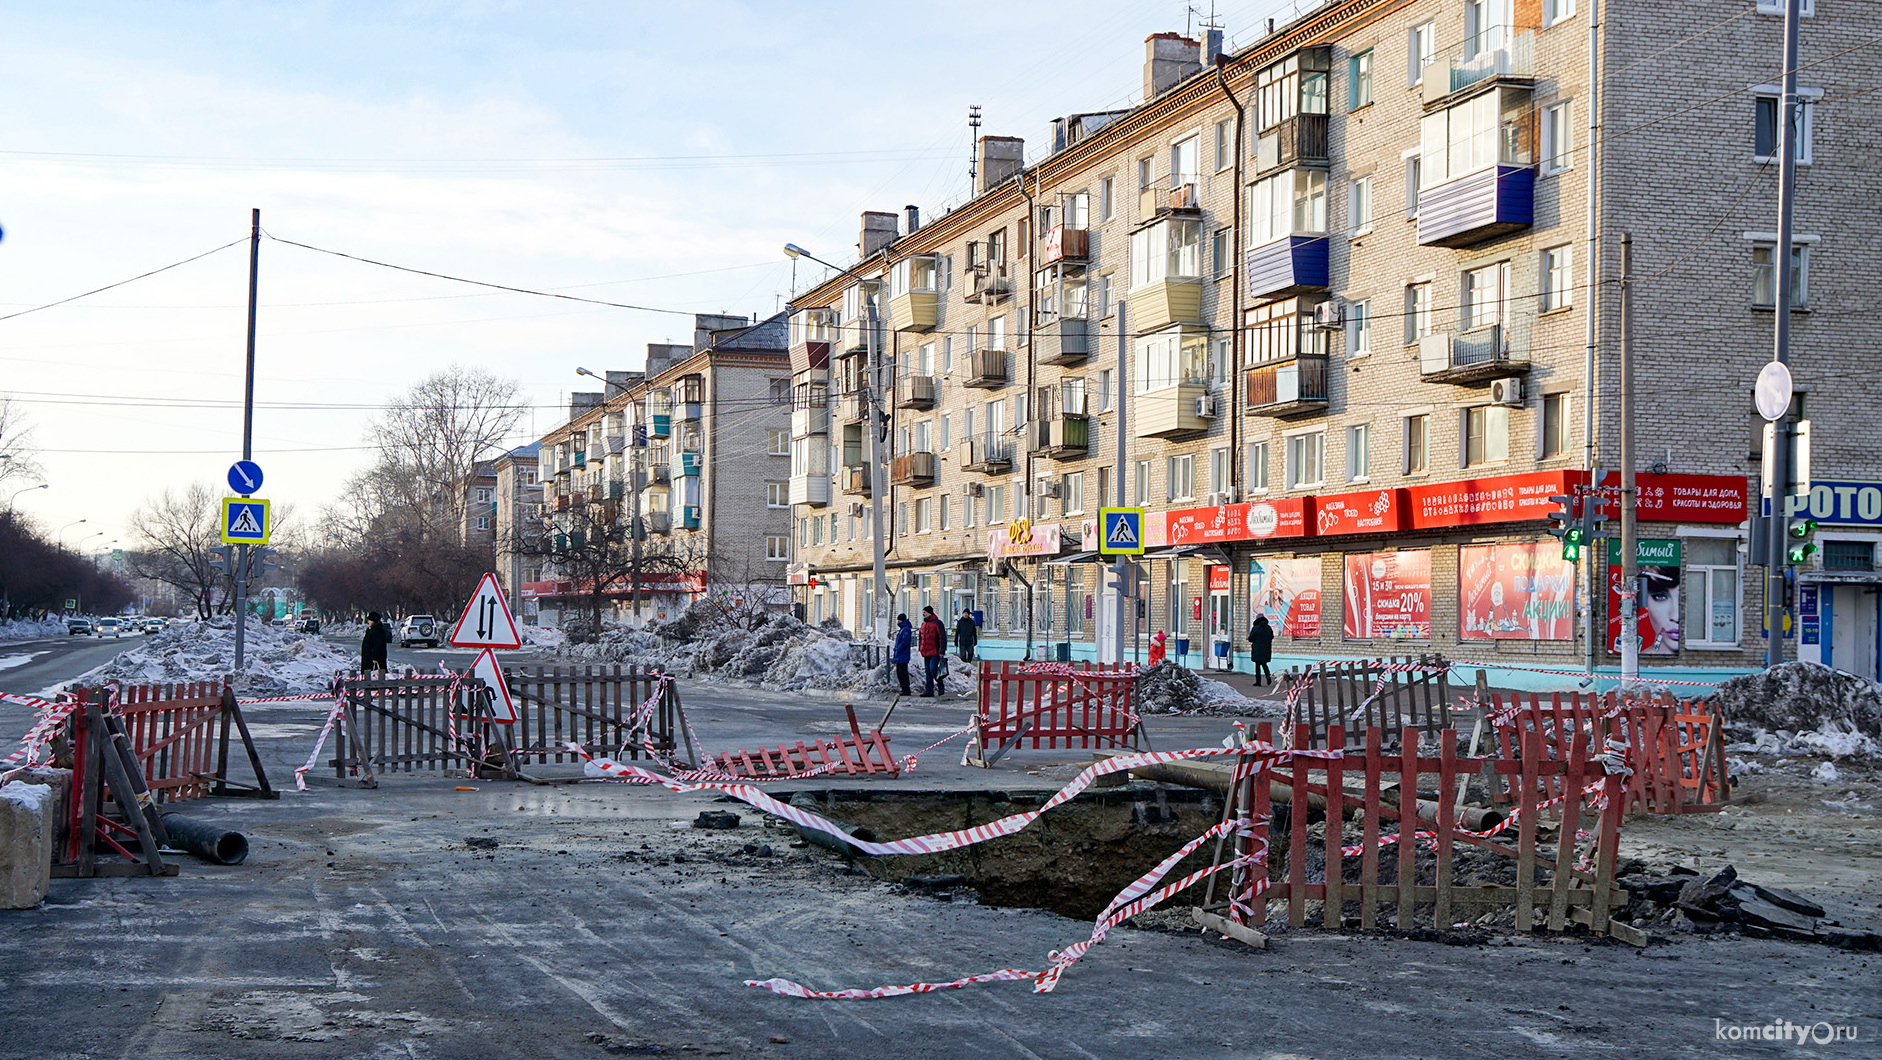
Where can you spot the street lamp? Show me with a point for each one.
(877, 427)
(66, 527)
(29, 489)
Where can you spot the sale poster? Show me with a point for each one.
(1388, 595)
(1515, 592)
(1288, 592)
(1657, 607)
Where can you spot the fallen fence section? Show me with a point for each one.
(1676, 747)
(1385, 693)
(1054, 705)
(174, 734)
(855, 754)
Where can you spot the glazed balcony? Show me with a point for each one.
(1296, 387)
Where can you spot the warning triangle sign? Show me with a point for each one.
(502, 707)
(244, 524)
(1123, 533)
(487, 622)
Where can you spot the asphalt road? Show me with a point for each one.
(32, 666)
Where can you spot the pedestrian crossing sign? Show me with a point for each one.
(245, 521)
(1122, 531)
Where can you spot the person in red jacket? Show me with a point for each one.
(934, 646)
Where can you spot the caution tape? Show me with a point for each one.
(334, 717)
(1428, 839)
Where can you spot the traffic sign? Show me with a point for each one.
(244, 477)
(1121, 531)
(487, 622)
(1772, 393)
(502, 707)
(245, 521)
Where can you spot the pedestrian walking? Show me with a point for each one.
(372, 646)
(904, 639)
(1261, 649)
(934, 647)
(966, 635)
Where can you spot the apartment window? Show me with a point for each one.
(1359, 205)
(1165, 359)
(1218, 362)
(1224, 145)
(1185, 162)
(1776, 7)
(483, 494)
(1764, 276)
(1306, 460)
(1219, 471)
(1359, 452)
(1078, 210)
(1554, 426)
(947, 354)
(1486, 435)
(996, 504)
(1418, 444)
(970, 510)
(1140, 487)
(780, 391)
(1181, 484)
(1359, 80)
(1769, 103)
(1144, 174)
(923, 514)
(816, 531)
(945, 502)
(1558, 278)
(946, 432)
(1107, 189)
(1072, 493)
(1358, 329)
(1104, 486)
(1558, 138)
(924, 437)
(1258, 467)
(1484, 24)
(1484, 290)
(1220, 252)
(777, 547)
(777, 495)
(777, 443)
(1421, 51)
(1417, 312)
(483, 522)
(1166, 250)
(1847, 555)
(1107, 385)
(1554, 11)
(1710, 586)
(1414, 179)
(1292, 202)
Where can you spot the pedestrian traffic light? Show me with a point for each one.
(219, 558)
(1801, 548)
(1564, 523)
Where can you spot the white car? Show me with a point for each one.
(108, 627)
(419, 629)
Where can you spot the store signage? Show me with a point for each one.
(1022, 537)
(1218, 579)
(1250, 521)
(1502, 499)
(1846, 503)
(1370, 512)
(1691, 498)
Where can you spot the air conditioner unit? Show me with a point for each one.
(1049, 488)
(1507, 392)
(1329, 314)
(1205, 407)
(856, 509)
(911, 579)
(976, 489)
(996, 567)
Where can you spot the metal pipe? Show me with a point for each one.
(1595, 555)
(212, 843)
(1780, 471)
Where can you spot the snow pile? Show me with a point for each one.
(542, 637)
(1800, 697)
(277, 661)
(31, 629)
(1828, 743)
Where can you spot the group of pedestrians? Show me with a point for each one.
(932, 642)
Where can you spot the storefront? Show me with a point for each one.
(1838, 615)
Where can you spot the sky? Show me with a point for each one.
(652, 154)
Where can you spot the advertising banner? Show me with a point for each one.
(1251, 521)
(1657, 610)
(1515, 592)
(1689, 498)
(1288, 592)
(1501, 499)
(1022, 537)
(1388, 594)
(1370, 512)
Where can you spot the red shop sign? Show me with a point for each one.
(1251, 521)
(1500, 499)
(1690, 498)
(1371, 512)
(1218, 579)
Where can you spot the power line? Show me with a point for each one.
(120, 283)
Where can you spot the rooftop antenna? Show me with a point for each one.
(973, 147)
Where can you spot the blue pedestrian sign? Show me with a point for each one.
(1121, 531)
(245, 477)
(245, 521)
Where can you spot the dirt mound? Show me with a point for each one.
(1803, 696)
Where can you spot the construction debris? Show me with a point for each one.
(716, 819)
(1683, 900)
(1167, 688)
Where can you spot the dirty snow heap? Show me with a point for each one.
(276, 662)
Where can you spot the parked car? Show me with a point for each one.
(308, 624)
(78, 627)
(419, 629)
(109, 627)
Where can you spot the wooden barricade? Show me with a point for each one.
(1350, 872)
(174, 732)
(594, 706)
(105, 779)
(857, 754)
(1054, 705)
(417, 723)
(1338, 691)
(1675, 747)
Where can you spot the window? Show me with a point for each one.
(1104, 487)
(1486, 435)
(1421, 51)
(1417, 312)
(924, 437)
(946, 433)
(1847, 555)
(1145, 173)
(1554, 11)
(1764, 277)
(1359, 80)
(1102, 293)
(1293, 202)
(1167, 358)
(777, 495)
(777, 443)
(1483, 295)
(947, 354)
(1414, 179)
(1072, 494)
(1258, 467)
(1219, 471)
(1554, 426)
(1181, 484)
(1418, 444)
(1220, 252)
(1768, 104)
(1558, 138)
(1106, 198)
(1224, 145)
(946, 502)
(1359, 205)
(816, 531)
(924, 359)
(1359, 452)
(1167, 250)
(1484, 22)
(1358, 329)
(1776, 7)
(777, 547)
(483, 522)
(483, 494)
(780, 391)
(1077, 210)
(1140, 488)
(970, 510)
(1306, 460)
(1558, 278)
(923, 513)
(1283, 330)
(1710, 586)
(996, 504)
(1107, 386)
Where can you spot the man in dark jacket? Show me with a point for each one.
(966, 635)
(934, 647)
(904, 639)
(1261, 648)
(372, 646)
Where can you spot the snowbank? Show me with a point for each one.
(1167, 688)
(1802, 696)
(277, 662)
(31, 629)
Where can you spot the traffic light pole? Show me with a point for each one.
(248, 434)
(1780, 471)
(1630, 559)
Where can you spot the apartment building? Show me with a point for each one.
(686, 464)
(480, 507)
(1351, 296)
(516, 509)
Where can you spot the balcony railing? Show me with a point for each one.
(912, 469)
(1065, 244)
(1495, 53)
(689, 516)
(987, 283)
(1299, 140)
(992, 455)
(689, 463)
(856, 479)
(1062, 437)
(1287, 388)
(915, 392)
(1062, 341)
(1471, 358)
(986, 369)
(809, 421)
(659, 522)
(813, 490)
(853, 408)
(1172, 412)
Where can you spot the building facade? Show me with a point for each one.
(1335, 293)
(517, 509)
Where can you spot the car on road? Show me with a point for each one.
(109, 627)
(307, 624)
(154, 625)
(419, 629)
(78, 627)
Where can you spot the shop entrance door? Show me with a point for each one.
(1853, 628)
(1221, 621)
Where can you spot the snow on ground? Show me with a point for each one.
(277, 662)
(31, 629)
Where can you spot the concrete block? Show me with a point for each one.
(59, 809)
(25, 844)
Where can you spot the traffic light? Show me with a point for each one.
(1564, 522)
(1801, 548)
(219, 558)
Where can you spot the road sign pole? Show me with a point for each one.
(1126, 565)
(1780, 473)
(248, 431)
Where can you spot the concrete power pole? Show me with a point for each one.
(1630, 563)
(1780, 470)
(878, 469)
(1126, 565)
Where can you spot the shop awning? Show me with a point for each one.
(1210, 552)
(1077, 557)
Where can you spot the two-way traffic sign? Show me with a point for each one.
(487, 622)
(1121, 531)
(245, 521)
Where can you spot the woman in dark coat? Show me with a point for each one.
(372, 646)
(1261, 648)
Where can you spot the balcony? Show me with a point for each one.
(1470, 359)
(914, 311)
(912, 469)
(579, 459)
(1300, 140)
(578, 499)
(1062, 437)
(854, 409)
(987, 284)
(686, 410)
(986, 369)
(814, 420)
(689, 516)
(1477, 207)
(915, 392)
(1062, 341)
(689, 464)
(1166, 302)
(992, 456)
(662, 426)
(1294, 265)
(1171, 412)
(617, 444)
(1296, 387)
(1161, 202)
(562, 502)
(1070, 245)
(659, 522)
(813, 490)
(617, 489)
(810, 356)
(662, 472)
(856, 479)
(1494, 54)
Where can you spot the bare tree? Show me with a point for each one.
(175, 532)
(19, 461)
(434, 434)
(743, 593)
(591, 547)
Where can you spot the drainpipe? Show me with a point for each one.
(1596, 555)
(1032, 413)
(1233, 383)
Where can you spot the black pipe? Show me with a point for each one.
(212, 843)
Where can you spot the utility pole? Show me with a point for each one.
(878, 467)
(248, 433)
(1780, 470)
(1630, 561)
(1125, 567)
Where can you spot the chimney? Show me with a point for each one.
(660, 356)
(1168, 59)
(914, 217)
(878, 232)
(620, 382)
(1211, 45)
(1000, 158)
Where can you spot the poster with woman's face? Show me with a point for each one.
(1658, 604)
(1288, 592)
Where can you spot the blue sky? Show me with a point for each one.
(657, 154)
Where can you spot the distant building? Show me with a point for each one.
(517, 509)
